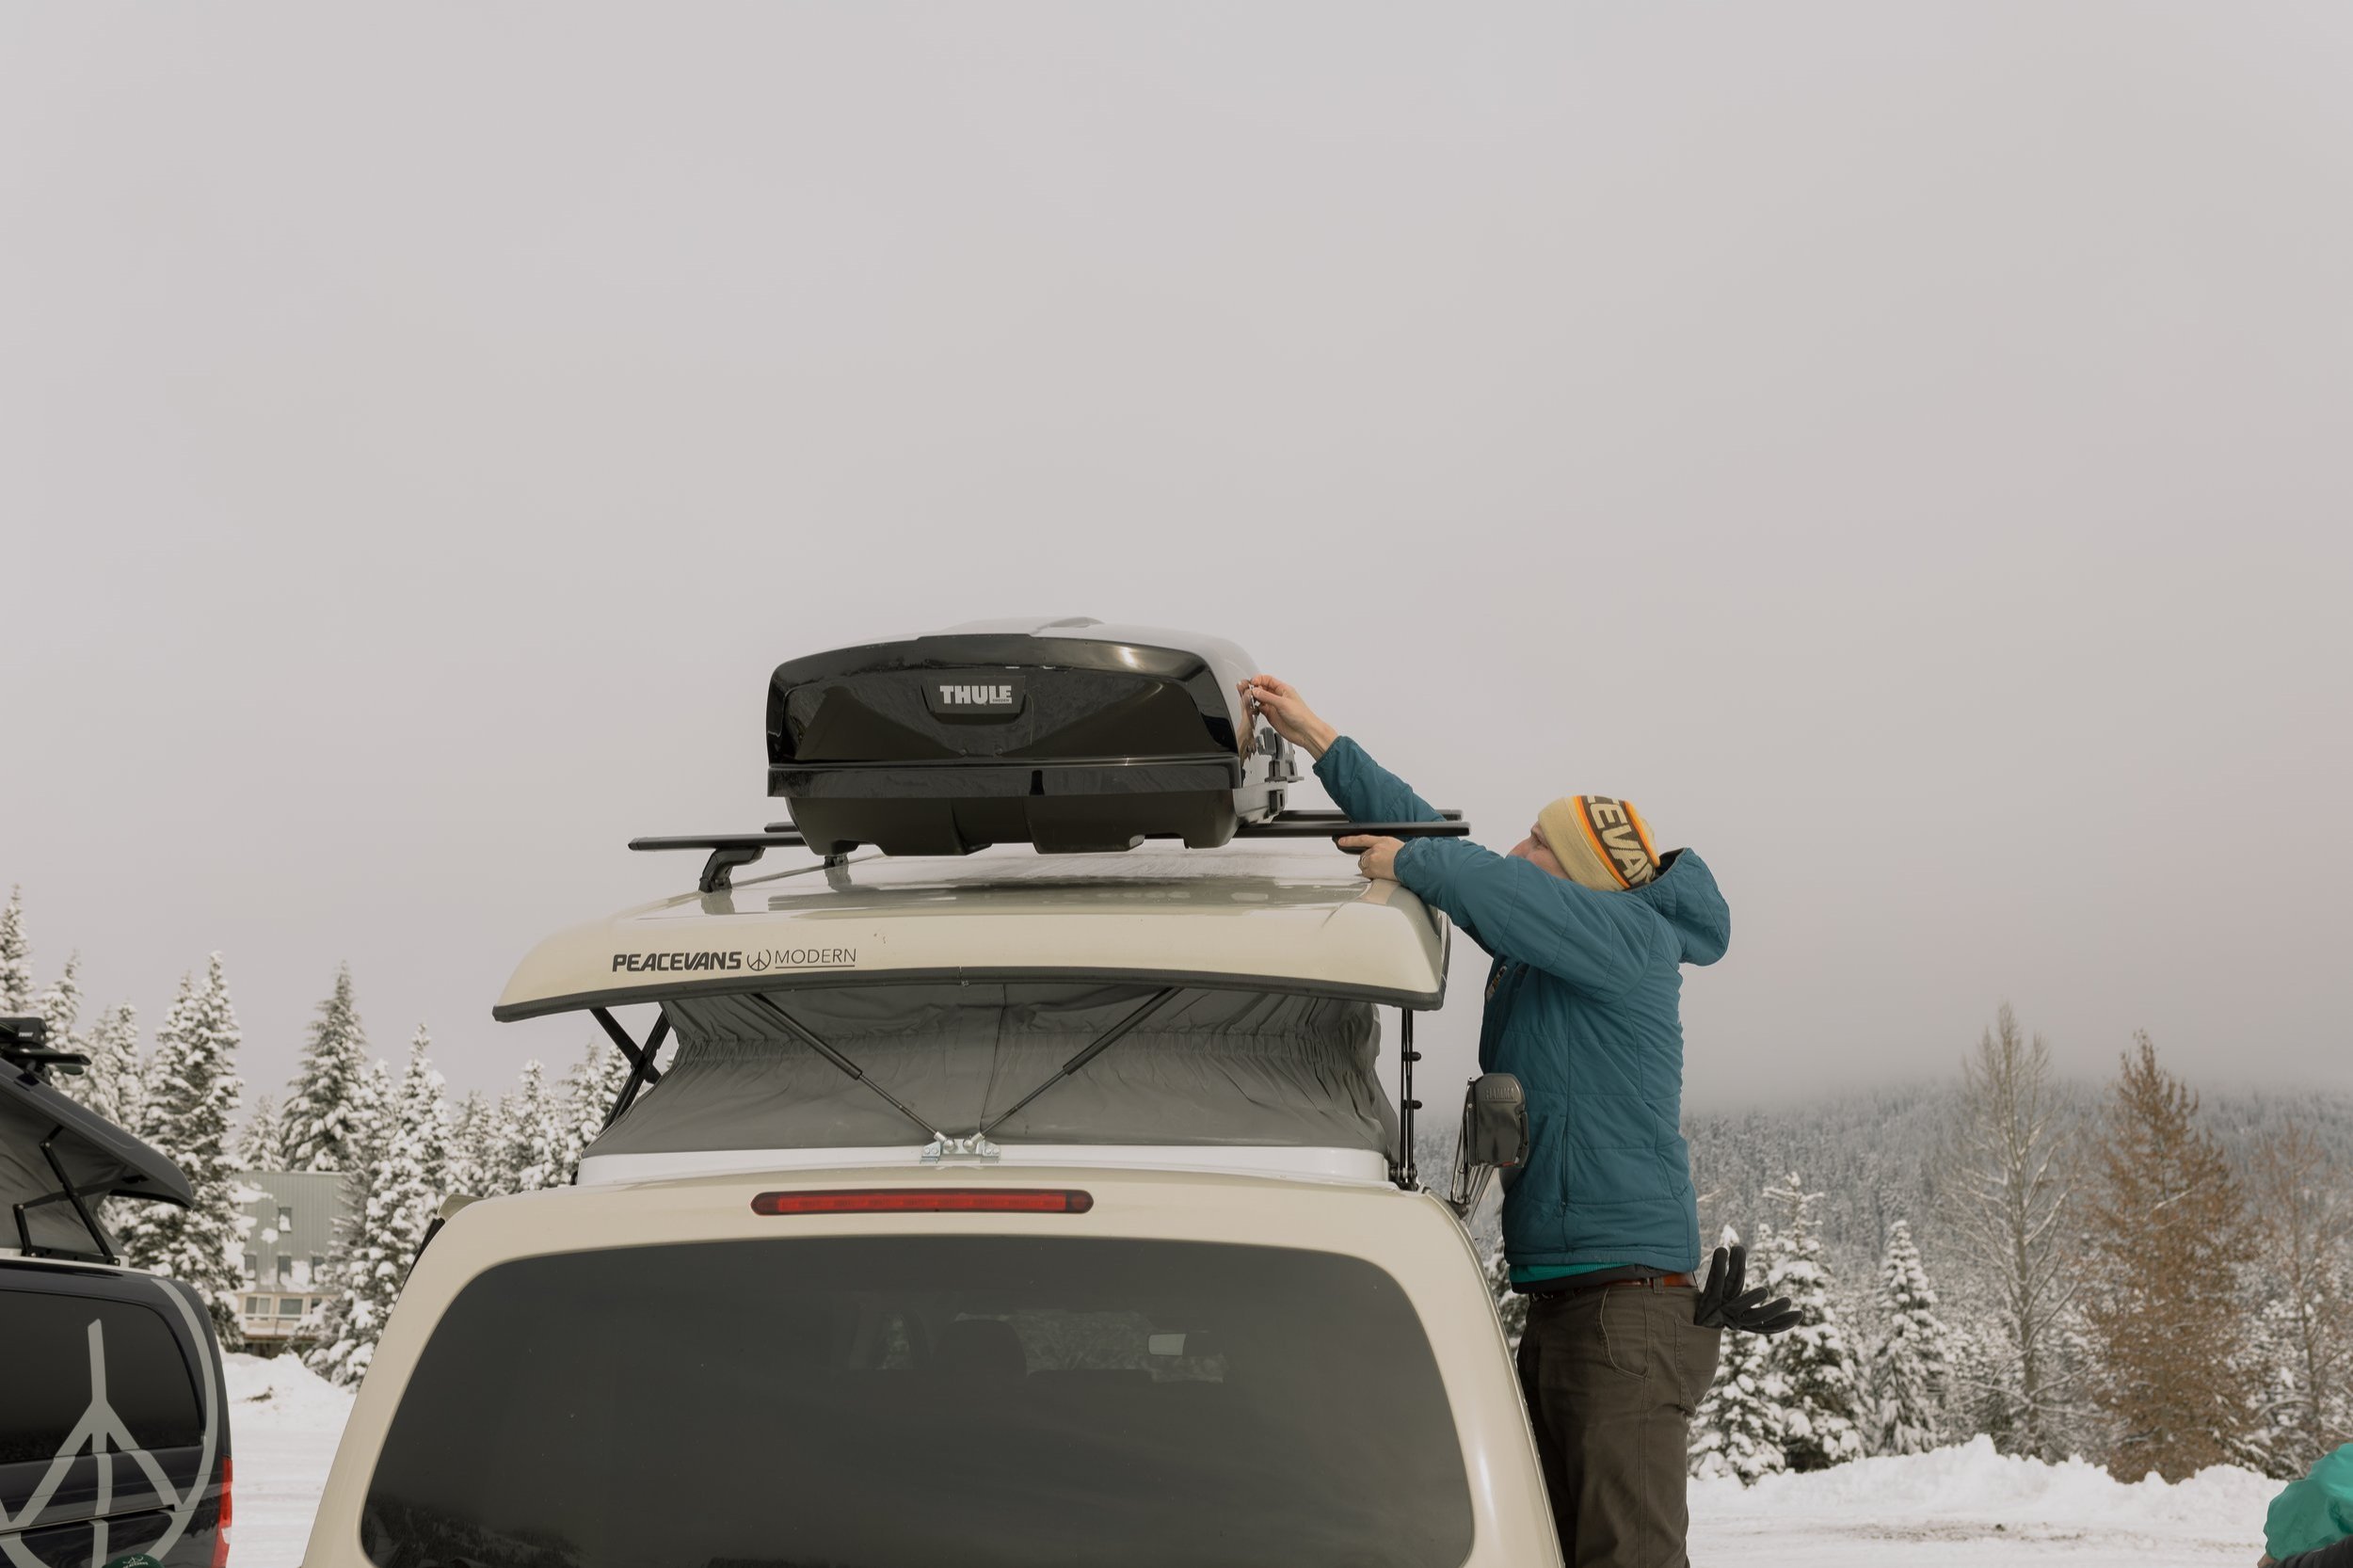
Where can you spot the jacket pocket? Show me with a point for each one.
(1545, 1178)
(1535, 1225)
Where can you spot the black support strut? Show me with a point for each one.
(67, 1194)
(1097, 1047)
(1407, 1177)
(800, 1032)
(642, 1071)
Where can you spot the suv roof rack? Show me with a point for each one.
(24, 1044)
(728, 850)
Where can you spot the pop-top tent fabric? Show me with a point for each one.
(2314, 1513)
(1210, 1067)
(102, 1158)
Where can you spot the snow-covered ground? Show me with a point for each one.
(1970, 1505)
(1958, 1506)
(283, 1423)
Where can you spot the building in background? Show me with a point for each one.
(297, 1220)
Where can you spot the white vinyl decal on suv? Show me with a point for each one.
(103, 1432)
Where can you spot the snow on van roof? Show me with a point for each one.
(1252, 916)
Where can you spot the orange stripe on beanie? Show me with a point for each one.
(1599, 841)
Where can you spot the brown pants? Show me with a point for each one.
(1612, 1375)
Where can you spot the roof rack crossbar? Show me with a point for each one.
(1305, 814)
(727, 850)
(1335, 825)
(1096, 1048)
(731, 850)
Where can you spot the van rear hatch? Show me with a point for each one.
(902, 1401)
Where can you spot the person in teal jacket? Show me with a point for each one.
(1589, 927)
(2310, 1523)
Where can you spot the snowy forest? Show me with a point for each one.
(2124, 1271)
(394, 1132)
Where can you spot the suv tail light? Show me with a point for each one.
(221, 1532)
(951, 1200)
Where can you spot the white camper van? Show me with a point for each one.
(1008, 1209)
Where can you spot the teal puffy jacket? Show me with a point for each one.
(1582, 1008)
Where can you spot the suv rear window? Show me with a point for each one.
(905, 1401)
(48, 1340)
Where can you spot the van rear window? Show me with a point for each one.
(907, 1401)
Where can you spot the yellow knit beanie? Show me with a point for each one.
(1600, 843)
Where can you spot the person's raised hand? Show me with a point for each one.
(1377, 860)
(1723, 1303)
(1280, 704)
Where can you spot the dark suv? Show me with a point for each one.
(114, 1423)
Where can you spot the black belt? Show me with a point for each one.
(1572, 1284)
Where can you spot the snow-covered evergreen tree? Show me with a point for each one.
(190, 1103)
(111, 1084)
(589, 1094)
(1815, 1360)
(329, 1091)
(1742, 1428)
(61, 1004)
(367, 1132)
(595, 1085)
(16, 957)
(1910, 1365)
(58, 1003)
(406, 1184)
(472, 1127)
(262, 1147)
(375, 1102)
(528, 1136)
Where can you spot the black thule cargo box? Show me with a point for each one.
(1066, 734)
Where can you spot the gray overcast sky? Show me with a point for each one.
(1901, 446)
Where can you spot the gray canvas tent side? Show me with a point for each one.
(1206, 1067)
(54, 1151)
